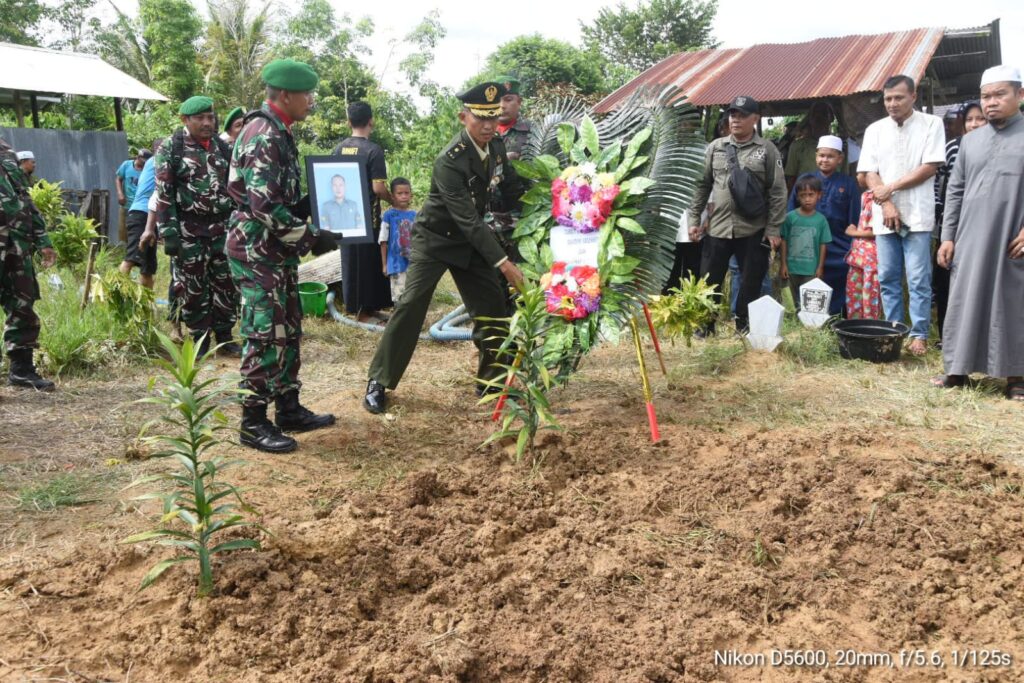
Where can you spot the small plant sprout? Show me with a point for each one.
(685, 309)
(200, 506)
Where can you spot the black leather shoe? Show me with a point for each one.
(375, 401)
(293, 417)
(259, 433)
(23, 372)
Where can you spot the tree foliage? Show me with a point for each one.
(20, 19)
(171, 29)
(234, 51)
(640, 38)
(536, 60)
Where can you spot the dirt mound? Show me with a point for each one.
(613, 561)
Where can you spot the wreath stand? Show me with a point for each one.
(645, 382)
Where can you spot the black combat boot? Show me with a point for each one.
(258, 432)
(227, 345)
(23, 372)
(293, 417)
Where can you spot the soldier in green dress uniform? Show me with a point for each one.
(450, 235)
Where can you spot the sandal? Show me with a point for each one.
(1015, 390)
(949, 381)
(918, 347)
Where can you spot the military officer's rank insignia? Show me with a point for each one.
(490, 93)
(456, 150)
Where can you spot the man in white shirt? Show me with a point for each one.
(900, 156)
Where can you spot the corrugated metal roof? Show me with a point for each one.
(825, 67)
(34, 69)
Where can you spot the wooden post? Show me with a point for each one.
(18, 112)
(34, 101)
(118, 115)
(94, 248)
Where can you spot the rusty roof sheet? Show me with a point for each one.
(825, 67)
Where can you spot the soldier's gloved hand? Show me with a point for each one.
(324, 243)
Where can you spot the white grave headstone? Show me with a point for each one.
(765, 316)
(815, 297)
(574, 248)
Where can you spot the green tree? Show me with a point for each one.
(424, 38)
(235, 50)
(120, 44)
(537, 60)
(640, 38)
(20, 19)
(171, 29)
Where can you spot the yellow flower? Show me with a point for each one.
(603, 180)
(545, 280)
(569, 172)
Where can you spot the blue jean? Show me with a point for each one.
(734, 287)
(913, 255)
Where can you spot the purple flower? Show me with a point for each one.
(580, 193)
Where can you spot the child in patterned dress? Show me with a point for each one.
(863, 295)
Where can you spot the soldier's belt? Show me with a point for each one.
(203, 219)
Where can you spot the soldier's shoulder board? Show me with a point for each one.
(456, 150)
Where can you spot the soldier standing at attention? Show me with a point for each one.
(513, 131)
(192, 211)
(268, 234)
(450, 235)
(22, 233)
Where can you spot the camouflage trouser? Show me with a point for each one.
(207, 295)
(271, 329)
(19, 291)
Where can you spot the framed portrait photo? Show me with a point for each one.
(339, 198)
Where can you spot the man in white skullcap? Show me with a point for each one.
(983, 243)
(27, 164)
(840, 204)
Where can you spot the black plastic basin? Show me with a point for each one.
(878, 341)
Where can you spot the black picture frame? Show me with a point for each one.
(341, 220)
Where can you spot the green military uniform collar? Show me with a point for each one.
(479, 150)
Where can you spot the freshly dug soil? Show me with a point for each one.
(611, 560)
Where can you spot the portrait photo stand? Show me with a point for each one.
(339, 198)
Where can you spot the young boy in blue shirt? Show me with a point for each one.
(395, 235)
(805, 233)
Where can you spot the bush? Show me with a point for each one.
(76, 341)
(47, 198)
(71, 239)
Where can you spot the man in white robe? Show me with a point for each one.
(983, 243)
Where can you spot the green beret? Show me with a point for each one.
(484, 100)
(232, 115)
(288, 74)
(511, 85)
(197, 104)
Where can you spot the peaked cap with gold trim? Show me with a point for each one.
(484, 100)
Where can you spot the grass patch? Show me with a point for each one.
(716, 356)
(65, 490)
(811, 347)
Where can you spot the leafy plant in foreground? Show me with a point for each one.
(206, 505)
(48, 200)
(531, 369)
(71, 237)
(685, 309)
(132, 304)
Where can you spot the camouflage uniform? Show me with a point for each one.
(264, 243)
(192, 208)
(22, 233)
(504, 214)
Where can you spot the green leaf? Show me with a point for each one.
(624, 265)
(609, 156)
(616, 245)
(528, 249)
(589, 136)
(527, 169)
(636, 186)
(237, 544)
(578, 153)
(566, 136)
(633, 148)
(154, 573)
(522, 442)
(630, 225)
(549, 165)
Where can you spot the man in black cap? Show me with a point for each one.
(450, 235)
(743, 180)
